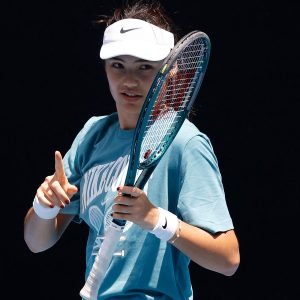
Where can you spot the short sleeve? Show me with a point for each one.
(202, 200)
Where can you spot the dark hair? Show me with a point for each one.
(150, 11)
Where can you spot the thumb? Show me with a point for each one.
(71, 190)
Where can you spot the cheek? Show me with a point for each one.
(148, 81)
(111, 84)
(112, 90)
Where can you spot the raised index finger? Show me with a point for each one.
(59, 167)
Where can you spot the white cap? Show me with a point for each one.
(137, 38)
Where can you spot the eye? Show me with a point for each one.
(117, 65)
(146, 67)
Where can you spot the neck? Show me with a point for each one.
(127, 121)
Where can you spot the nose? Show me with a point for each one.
(130, 80)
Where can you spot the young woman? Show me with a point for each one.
(184, 195)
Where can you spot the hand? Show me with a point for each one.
(132, 204)
(56, 189)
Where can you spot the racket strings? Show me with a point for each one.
(173, 99)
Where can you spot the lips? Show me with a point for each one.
(131, 96)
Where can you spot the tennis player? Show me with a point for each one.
(179, 216)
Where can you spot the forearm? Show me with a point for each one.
(219, 253)
(41, 234)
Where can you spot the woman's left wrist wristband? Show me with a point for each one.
(167, 225)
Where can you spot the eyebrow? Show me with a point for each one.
(122, 60)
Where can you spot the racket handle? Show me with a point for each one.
(101, 263)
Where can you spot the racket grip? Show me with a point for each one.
(101, 263)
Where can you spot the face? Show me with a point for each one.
(129, 81)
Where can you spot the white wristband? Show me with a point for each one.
(166, 226)
(44, 212)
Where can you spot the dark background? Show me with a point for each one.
(52, 82)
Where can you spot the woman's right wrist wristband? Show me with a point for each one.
(44, 212)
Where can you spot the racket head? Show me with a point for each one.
(169, 100)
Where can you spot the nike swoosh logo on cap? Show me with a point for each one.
(126, 30)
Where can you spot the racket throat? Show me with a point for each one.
(144, 176)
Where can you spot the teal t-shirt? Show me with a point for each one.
(187, 182)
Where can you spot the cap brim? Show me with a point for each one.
(140, 50)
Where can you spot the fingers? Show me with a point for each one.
(61, 177)
(56, 189)
(127, 198)
(130, 191)
(51, 192)
(132, 204)
(125, 201)
(43, 200)
(59, 168)
(72, 189)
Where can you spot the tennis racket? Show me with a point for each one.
(166, 106)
